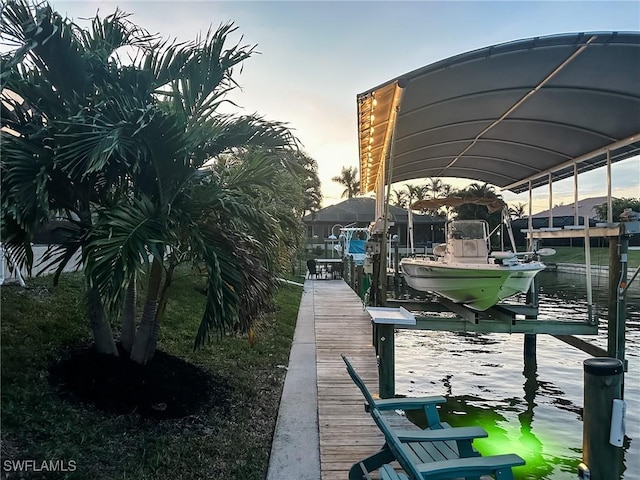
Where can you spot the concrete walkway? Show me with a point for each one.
(295, 451)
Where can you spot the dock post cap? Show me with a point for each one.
(603, 366)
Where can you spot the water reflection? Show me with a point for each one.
(531, 385)
(532, 409)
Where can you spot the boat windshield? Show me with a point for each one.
(468, 230)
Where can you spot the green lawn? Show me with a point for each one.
(599, 256)
(232, 442)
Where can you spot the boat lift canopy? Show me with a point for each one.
(492, 204)
(516, 115)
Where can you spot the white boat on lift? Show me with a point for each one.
(464, 269)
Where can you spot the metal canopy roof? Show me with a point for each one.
(509, 114)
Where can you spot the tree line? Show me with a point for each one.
(436, 188)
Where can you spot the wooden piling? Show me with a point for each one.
(530, 339)
(385, 341)
(602, 384)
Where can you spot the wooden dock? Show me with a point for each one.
(347, 433)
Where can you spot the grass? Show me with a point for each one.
(599, 256)
(232, 441)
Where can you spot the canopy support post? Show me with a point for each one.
(587, 262)
(530, 239)
(609, 202)
(576, 216)
(389, 146)
(550, 202)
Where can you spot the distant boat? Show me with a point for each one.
(464, 269)
(353, 241)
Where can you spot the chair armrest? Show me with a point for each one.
(414, 403)
(461, 466)
(443, 434)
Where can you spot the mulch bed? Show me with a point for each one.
(167, 387)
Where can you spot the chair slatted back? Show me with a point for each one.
(359, 382)
(395, 445)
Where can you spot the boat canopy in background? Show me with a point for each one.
(514, 115)
(492, 204)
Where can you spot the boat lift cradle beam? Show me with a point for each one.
(526, 326)
(501, 318)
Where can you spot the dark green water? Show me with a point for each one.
(534, 413)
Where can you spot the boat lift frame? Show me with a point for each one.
(504, 318)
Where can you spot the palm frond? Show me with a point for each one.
(48, 42)
(112, 32)
(59, 255)
(196, 75)
(216, 250)
(25, 171)
(224, 133)
(17, 241)
(120, 244)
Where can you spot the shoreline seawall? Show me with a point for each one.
(596, 270)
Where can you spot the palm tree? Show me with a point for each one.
(447, 191)
(415, 192)
(471, 211)
(517, 211)
(312, 199)
(399, 198)
(121, 151)
(434, 186)
(349, 179)
(49, 78)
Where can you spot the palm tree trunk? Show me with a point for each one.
(164, 295)
(102, 334)
(128, 333)
(100, 326)
(147, 335)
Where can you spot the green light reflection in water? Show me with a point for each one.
(509, 425)
(536, 410)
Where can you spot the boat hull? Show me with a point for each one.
(478, 286)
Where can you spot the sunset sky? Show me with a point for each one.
(316, 56)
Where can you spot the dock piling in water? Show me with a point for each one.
(385, 342)
(602, 385)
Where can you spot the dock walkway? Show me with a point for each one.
(347, 432)
(322, 431)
